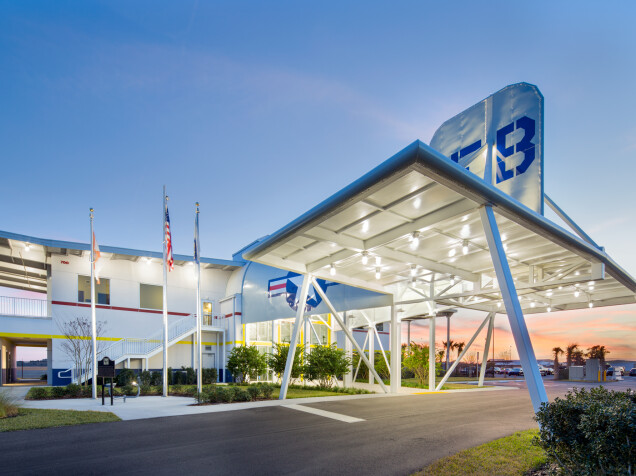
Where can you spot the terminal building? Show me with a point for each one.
(243, 303)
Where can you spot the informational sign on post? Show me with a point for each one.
(500, 139)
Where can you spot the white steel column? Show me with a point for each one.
(371, 337)
(165, 299)
(513, 308)
(396, 352)
(347, 378)
(348, 333)
(484, 362)
(460, 356)
(302, 302)
(431, 353)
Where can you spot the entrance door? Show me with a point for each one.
(208, 360)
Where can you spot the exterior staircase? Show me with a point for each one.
(138, 348)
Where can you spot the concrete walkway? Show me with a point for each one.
(155, 406)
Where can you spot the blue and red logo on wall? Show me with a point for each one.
(288, 287)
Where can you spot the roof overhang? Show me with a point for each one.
(25, 260)
(423, 192)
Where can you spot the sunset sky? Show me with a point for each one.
(261, 110)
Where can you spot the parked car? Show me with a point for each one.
(632, 372)
(498, 370)
(544, 371)
(619, 370)
(515, 373)
(610, 372)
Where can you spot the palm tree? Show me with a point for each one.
(449, 346)
(459, 346)
(556, 351)
(569, 353)
(598, 352)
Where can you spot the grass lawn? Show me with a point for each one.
(513, 455)
(31, 418)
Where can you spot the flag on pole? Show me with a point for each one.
(169, 259)
(96, 256)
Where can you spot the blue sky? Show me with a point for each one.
(259, 110)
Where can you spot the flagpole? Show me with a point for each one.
(93, 317)
(165, 299)
(197, 251)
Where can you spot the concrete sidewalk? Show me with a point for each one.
(156, 406)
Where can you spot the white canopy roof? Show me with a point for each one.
(415, 221)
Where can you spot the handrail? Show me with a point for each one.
(23, 307)
(140, 347)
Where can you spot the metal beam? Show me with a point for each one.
(564, 216)
(431, 354)
(347, 332)
(396, 352)
(461, 356)
(484, 362)
(304, 289)
(513, 309)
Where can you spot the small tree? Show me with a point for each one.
(246, 362)
(325, 364)
(77, 343)
(277, 360)
(417, 362)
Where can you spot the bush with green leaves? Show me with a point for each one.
(209, 376)
(156, 379)
(379, 364)
(241, 394)
(590, 432)
(224, 394)
(37, 393)
(325, 364)
(145, 379)
(125, 377)
(254, 391)
(58, 392)
(246, 362)
(277, 360)
(74, 390)
(267, 389)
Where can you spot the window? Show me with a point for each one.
(102, 290)
(321, 330)
(259, 332)
(150, 296)
(286, 331)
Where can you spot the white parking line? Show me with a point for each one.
(324, 413)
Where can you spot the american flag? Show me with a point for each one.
(169, 259)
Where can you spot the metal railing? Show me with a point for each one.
(142, 347)
(214, 320)
(14, 306)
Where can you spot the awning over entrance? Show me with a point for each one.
(412, 227)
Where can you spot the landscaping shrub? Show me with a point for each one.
(210, 376)
(170, 377)
(590, 432)
(58, 392)
(145, 379)
(175, 390)
(38, 393)
(156, 379)
(246, 362)
(125, 377)
(8, 405)
(128, 390)
(224, 394)
(254, 391)
(74, 390)
(267, 390)
(325, 364)
(241, 394)
(190, 376)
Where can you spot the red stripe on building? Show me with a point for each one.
(116, 308)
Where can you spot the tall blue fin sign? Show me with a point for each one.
(515, 114)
